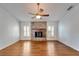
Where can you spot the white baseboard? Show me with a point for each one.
(51, 38)
(10, 43)
(68, 45)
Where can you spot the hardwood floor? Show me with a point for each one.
(35, 48)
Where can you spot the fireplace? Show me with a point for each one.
(38, 34)
(38, 30)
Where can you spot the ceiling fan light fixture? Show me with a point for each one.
(38, 17)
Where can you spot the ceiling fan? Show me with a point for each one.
(39, 13)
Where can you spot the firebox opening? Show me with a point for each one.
(38, 34)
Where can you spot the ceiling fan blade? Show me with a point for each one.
(33, 17)
(45, 15)
(31, 13)
(41, 10)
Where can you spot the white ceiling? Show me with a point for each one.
(21, 10)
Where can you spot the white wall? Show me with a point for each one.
(49, 36)
(9, 29)
(69, 28)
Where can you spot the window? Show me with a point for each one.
(49, 28)
(26, 31)
(52, 30)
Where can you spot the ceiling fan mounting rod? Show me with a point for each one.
(38, 5)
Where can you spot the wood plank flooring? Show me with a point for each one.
(35, 48)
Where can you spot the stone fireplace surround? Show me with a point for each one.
(38, 30)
